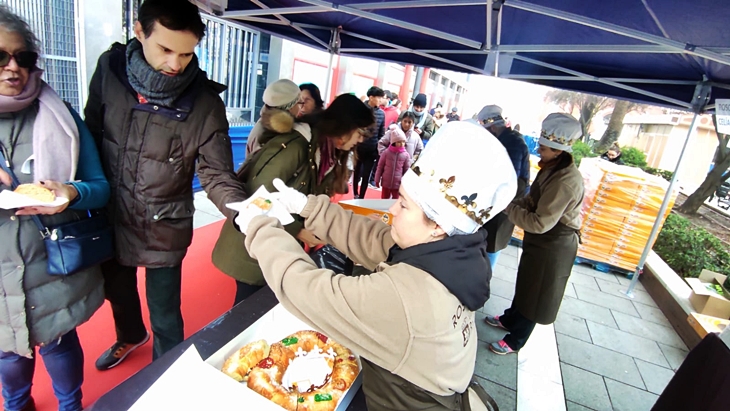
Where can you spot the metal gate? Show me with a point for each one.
(54, 23)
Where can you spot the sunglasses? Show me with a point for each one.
(24, 59)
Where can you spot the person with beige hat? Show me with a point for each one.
(550, 216)
(282, 101)
(412, 319)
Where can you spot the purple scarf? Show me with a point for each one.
(55, 134)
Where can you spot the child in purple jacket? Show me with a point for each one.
(393, 163)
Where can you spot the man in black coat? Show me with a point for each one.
(367, 151)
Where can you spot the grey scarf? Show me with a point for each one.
(154, 86)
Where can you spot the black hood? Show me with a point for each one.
(459, 262)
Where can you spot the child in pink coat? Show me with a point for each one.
(414, 144)
(393, 163)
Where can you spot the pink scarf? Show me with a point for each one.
(397, 149)
(55, 134)
(327, 152)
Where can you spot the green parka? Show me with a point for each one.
(290, 155)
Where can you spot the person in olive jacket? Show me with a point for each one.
(550, 216)
(312, 157)
(157, 119)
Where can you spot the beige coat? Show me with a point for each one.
(400, 317)
(561, 197)
(550, 216)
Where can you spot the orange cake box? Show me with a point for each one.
(377, 209)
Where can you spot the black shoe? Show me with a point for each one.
(117, 353)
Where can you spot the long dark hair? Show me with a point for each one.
(341, 118)
(314, 92)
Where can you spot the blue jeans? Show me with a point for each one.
(493, 257)
(64, 360)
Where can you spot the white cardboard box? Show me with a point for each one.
(191, 383)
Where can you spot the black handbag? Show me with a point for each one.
(330, 258)
(74, 246)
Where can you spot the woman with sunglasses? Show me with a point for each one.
(44, 142)
(312, 157)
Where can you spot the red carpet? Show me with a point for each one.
(206, 294)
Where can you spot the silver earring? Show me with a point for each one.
(434, 234)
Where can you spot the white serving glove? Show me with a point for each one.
(244, 217)
(293, 200)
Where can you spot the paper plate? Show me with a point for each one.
(10, 200)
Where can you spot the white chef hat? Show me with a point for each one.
(282, 94)
(462, 178)
(560, 131)
(491, 115)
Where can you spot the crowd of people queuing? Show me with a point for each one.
(153, 119)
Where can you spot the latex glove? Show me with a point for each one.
(293, 200)
(243, 219)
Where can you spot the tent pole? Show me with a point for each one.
(328, 89)
(701, 97)
(334, 48)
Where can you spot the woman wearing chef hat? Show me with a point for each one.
(550, 216)
(412, 319)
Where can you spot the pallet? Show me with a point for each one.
(603, 267)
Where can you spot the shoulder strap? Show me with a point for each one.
(248, 165)
(5, 164)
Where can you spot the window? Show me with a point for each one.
(54, 23)
(229, 55)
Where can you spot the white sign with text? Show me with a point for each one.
(722, 109)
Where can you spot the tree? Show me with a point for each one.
(715, 177)
(588, 105)
(615, 125)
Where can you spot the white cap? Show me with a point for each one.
(491, 115)
(452, 182)
(560, 131)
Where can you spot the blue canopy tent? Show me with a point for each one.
(664, 52)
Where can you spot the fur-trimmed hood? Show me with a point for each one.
(277, 120)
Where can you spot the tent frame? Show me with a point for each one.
(497, 52)
(657, 44)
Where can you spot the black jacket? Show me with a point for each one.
(369, 147)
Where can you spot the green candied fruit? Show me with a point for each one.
(301, 399)
(322, 397)
(290, 340)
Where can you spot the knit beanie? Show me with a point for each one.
(282, 94)
(397, 135)
(420, 100)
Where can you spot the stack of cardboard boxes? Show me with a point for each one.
(619, 209)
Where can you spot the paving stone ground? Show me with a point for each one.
(615, 353)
